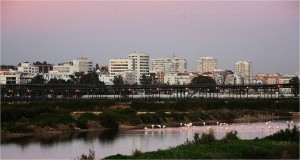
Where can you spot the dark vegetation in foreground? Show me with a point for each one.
(18, 117)
(281, 145)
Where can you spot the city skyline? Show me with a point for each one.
(265, 33)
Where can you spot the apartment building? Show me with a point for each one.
(119, 66)
(169, 65)
(206, 64)
(245, 69)
(28, 69)
(140, 63)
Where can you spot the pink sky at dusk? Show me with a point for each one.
(58, 31)
(68, 16)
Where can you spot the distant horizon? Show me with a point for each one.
(265, 33)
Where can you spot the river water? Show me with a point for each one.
(110, 142)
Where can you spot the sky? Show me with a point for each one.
(265, 33)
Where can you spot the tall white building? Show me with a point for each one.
(169, 65)
(244, 68)
(140, 62)
(206, 64)
(119, 66)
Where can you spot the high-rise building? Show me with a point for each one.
(140, 62)
(169, 65)
(244, 68)
(207, 64)
(119, 66)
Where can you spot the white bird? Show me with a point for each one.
(217, 123)
(203, 123)
(189, 124)
(164, 126)
(159, 126)
(152, 126)
(180, 124)
(146, 128)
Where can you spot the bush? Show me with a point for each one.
(177, 116)
(232, 135)
(208, 137)
(205, 138)
(150, 118)
(291, 135)
(108, 120)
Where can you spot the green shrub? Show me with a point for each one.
(207, 137)
(108, 120)
(232, 135)
(291, 135)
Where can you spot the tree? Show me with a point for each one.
(295, 81)
(90, 78)
(39, 79)
(76, 77)
(58, 81)
(203, 80)
(118, 80)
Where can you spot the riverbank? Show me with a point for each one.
(61, 117)
(281, 145)
(63, 129)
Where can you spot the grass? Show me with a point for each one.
(276, 146)
(242, 149)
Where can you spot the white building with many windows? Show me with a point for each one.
(28, 69)
(206, 64)
(169, 65)
(119, 66)
(140, 61)
(245, 70)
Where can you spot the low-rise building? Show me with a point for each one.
(9, 76)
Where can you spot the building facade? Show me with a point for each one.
(140, 61)
(169, 65)
(206, 64)
(28, 69)
(119, 66)
(82, 65)
(245, 70)
(62, 68)
(9, 76)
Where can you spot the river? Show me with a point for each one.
(110, 142)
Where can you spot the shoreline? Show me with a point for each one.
(52, 132)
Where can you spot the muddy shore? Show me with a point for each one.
(95, 126)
